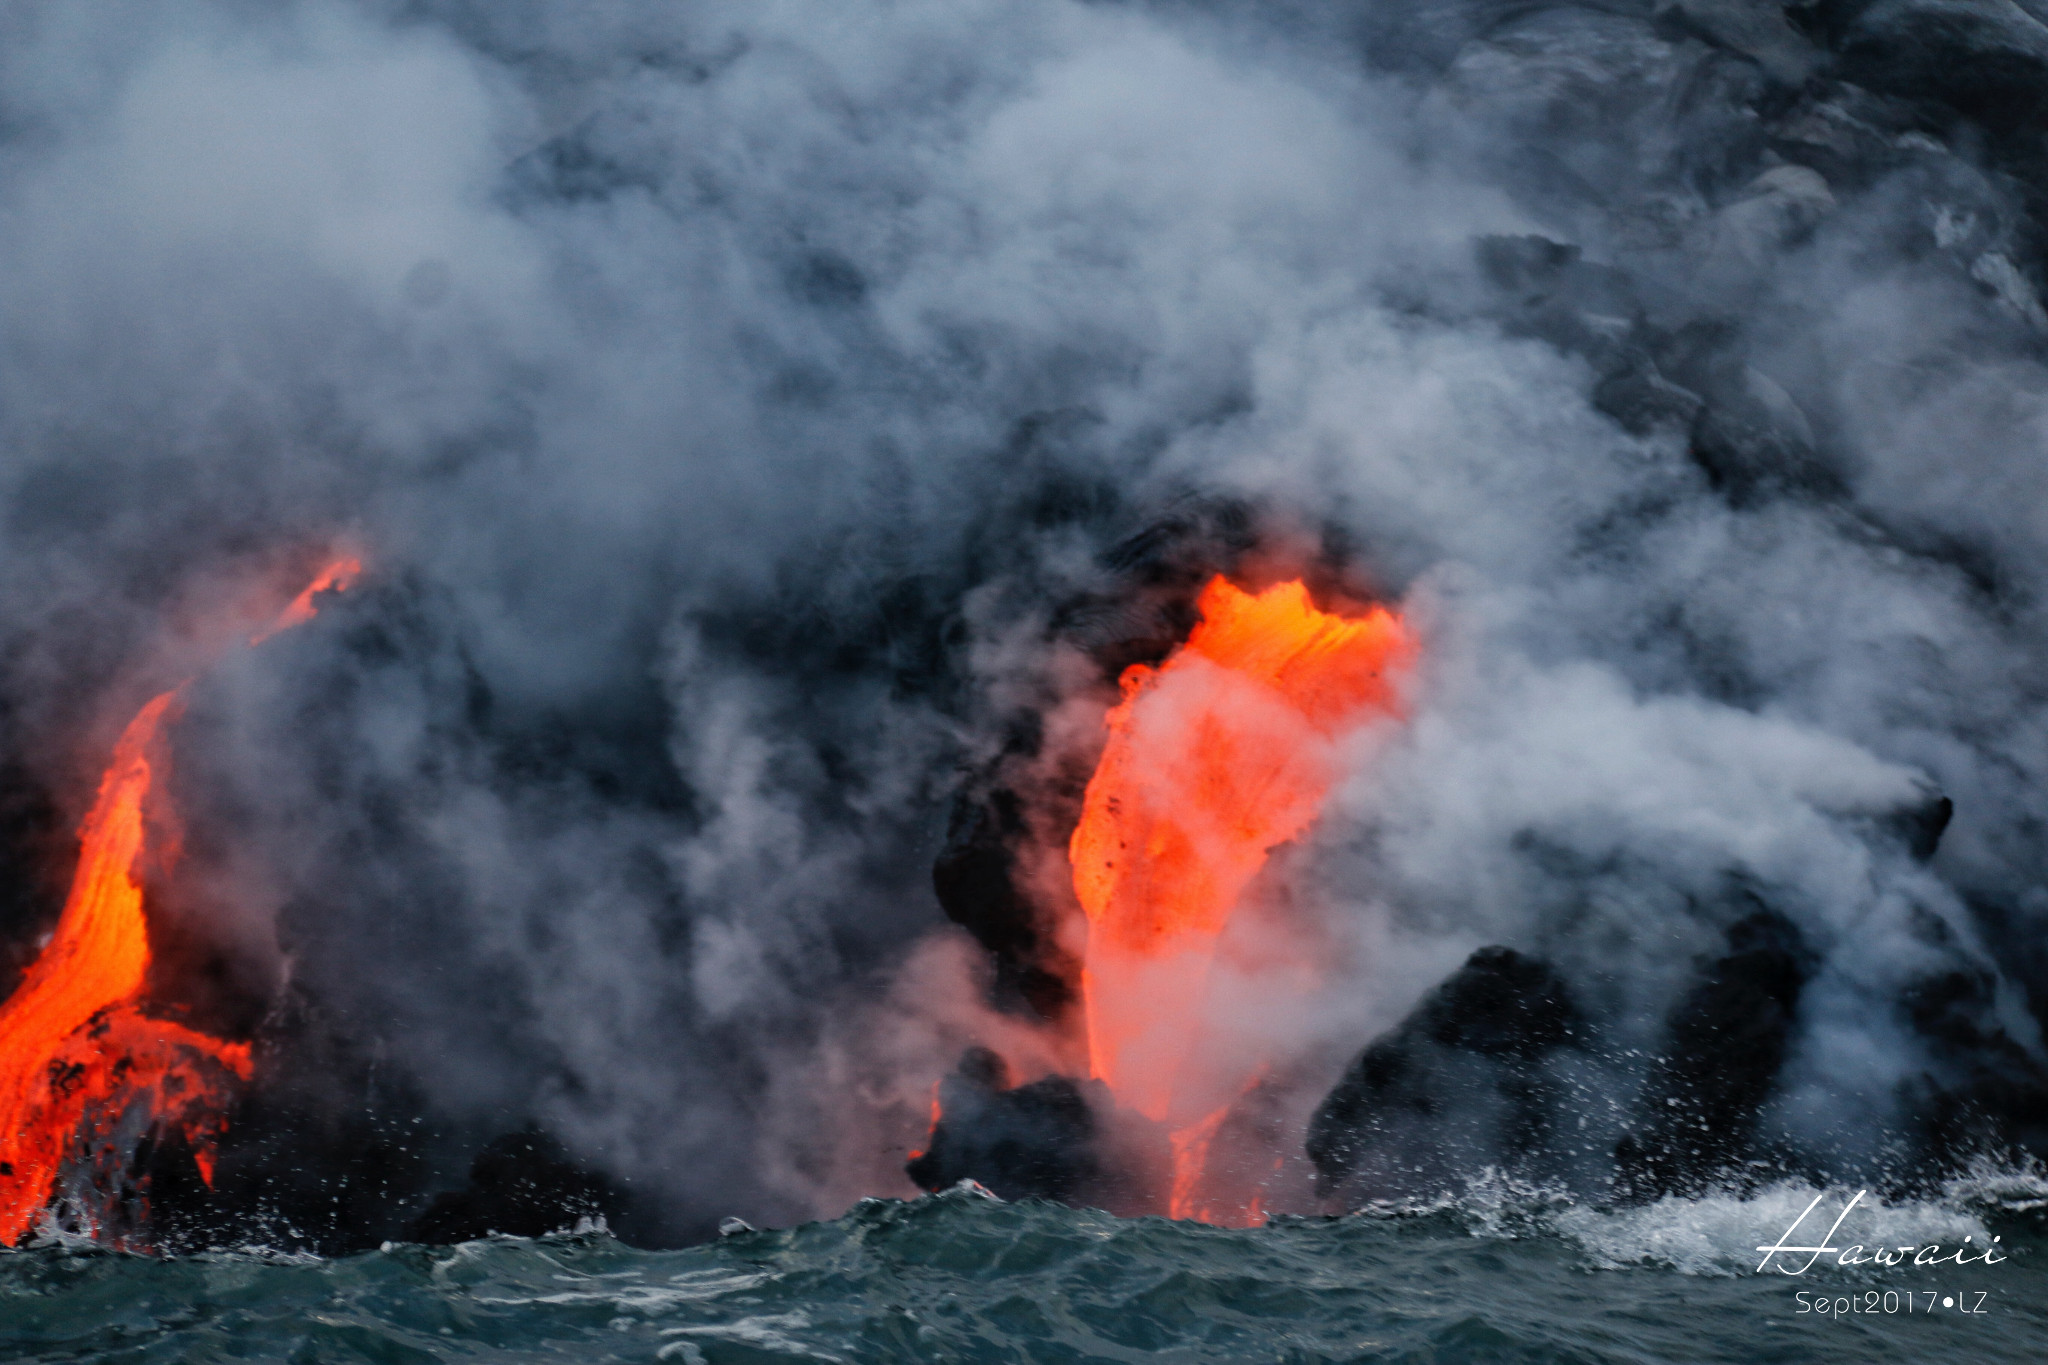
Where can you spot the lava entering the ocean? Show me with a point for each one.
(1221, 754)
(82, 1063)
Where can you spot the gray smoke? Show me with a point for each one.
(728, 396)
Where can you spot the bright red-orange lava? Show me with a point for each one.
(78, 1052)
(1216, 757)
(931, 1132)
(336, 577)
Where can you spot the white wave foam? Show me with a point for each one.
(1721, 1234)
(1724, 1232)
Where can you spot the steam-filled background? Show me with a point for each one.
(756, 417)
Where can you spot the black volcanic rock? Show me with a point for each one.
(523, 1185)
(1019, 1142)
(325, 1152)
(976, 880)
(1726, 1041)
(1988, 59)
(1756, 29)
(1457, 1084)
(1500, 1004)
(1921, 825)
(1988, 1096)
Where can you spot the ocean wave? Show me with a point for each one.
(1501, 1272)
(1724, 1231)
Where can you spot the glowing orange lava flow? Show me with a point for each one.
(80, 1060)
(334, 578)
(1215, 758)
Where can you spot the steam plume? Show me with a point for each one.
(766, 422)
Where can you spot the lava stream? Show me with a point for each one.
(78, 1053)
(336, 577)
(1221, 754)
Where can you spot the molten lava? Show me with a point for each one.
(82, 1065)
(1221, 754)
(336, 577)
(931, 1132)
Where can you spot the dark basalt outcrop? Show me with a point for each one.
(522, 1184)
(331, 1154)
(1986, 1095)
(1986, 59)
(1920, 826)
(1456, 1085)
(1020, 1142)
(1726, 1041)
(978, 882)
(326, 1152)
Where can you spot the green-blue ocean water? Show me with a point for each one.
(963, 1278)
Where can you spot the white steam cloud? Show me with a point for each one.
(729, 395)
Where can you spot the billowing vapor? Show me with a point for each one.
(769, 429)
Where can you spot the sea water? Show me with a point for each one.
(1498, 1274)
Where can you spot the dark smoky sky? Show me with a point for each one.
(726, 395)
